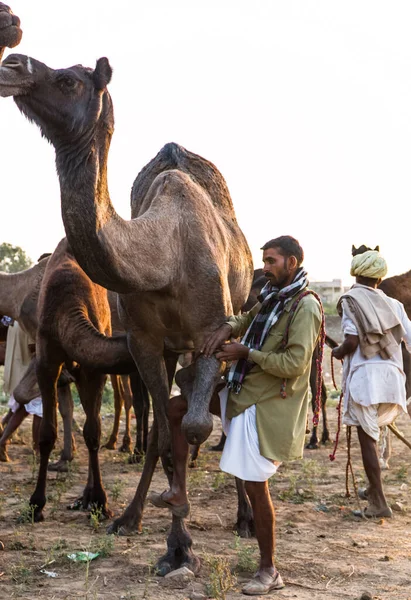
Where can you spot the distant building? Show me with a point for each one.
(329, 291)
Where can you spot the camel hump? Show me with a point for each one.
(174, 157)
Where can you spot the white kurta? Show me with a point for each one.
(241, 455)
(374, 388)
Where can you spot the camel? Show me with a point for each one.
(180, 266)
(74, 321)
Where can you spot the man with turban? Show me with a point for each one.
(373, 378)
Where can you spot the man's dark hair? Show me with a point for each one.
(287, 246)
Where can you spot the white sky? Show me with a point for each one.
(304, 106)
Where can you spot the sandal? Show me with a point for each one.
(263, 583)
(181, 511)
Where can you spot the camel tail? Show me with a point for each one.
(94, 350)
(204, 172)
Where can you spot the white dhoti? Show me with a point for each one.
(241, 455)
(34, 407)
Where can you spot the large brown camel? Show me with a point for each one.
(180, 266)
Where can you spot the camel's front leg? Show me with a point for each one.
(47, 375)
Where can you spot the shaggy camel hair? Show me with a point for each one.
(180, 266)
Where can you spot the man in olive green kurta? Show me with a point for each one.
(272, 396)
(281, 422)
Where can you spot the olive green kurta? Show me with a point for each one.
(281, 422)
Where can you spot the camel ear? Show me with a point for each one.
(377, 248)
(353, 249)
(102, 73)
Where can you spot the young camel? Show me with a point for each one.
(180, 266)
(74, 322)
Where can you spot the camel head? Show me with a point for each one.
(10, 32)
(361, 249)
(67, 104)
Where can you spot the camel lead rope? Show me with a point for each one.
(339, 407)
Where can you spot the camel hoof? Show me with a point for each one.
(170, 562)
(312, 446)
(110, 445)
(4, 457)
(192, 464)
(123, 529)
(135, 458)
(245, 529)
(61, 466)
(125, 448)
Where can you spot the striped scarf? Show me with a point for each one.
(273, 301)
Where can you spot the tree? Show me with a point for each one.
(13, 258)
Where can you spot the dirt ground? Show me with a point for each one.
(323, 551)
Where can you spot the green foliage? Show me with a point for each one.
(13, 258)
(221, 579)
(246, 555)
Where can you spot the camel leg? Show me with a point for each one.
(130, 520)
(118, 405)
(195, 451)
(128, 403)
(179, 542)
(90, 385)
(220, 446)
(13, 423)
(66, 409)
(47, 375)
(141, 405)
(245, 519)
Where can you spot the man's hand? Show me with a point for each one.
(10, 32)
(214, 341)
(349, 345)
(337, 353)
(233, 351)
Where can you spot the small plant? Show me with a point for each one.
(20, 573)
(402, 473)
(221, 578)
(27, 513)
(246, 555)
(219, 481)
(96, 515)
(104, 546)
(117, 489)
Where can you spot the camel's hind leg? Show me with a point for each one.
(128, 403)
(141, 405)
(48, 372)
(90, 385)
(66, 409)
(130, 520)
(118, 405)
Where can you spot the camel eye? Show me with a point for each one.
(67, 84)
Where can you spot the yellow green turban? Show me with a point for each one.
(369, 264)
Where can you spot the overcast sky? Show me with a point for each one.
(304, 106)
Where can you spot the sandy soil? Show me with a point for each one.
(322, 550)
